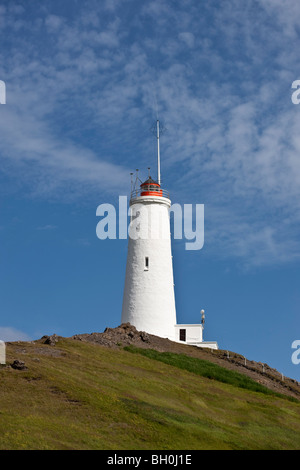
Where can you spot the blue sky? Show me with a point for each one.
(85, 82)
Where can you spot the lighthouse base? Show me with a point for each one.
(192, 335)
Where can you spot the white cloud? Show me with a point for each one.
(287, 13)
(8, 333)
(222, 89)
(188, 38)
(54, 22)
(47, 227)
(54, 162)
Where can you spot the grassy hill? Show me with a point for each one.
(80, 395)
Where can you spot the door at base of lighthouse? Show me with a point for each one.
(182, 335)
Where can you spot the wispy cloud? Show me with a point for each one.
(8, 333)
(80, 105)
(47, 227)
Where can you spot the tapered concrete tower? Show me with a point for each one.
(149, 301)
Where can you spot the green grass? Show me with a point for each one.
(92, 397)
(206, 369)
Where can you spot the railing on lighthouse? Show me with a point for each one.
(149, 188)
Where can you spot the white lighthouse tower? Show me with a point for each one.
(149, 300)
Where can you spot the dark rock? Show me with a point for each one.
(145, 337)
(51, 340)
(18, 365)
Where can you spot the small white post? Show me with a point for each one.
(2, 353)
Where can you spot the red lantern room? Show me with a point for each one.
(151, 188)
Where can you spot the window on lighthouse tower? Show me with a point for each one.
(146, 263)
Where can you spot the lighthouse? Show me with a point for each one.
(149, 298)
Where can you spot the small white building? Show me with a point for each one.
(149, 299)
(193, 335)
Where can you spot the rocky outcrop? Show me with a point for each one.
(123, 335)
(51, 340)
(18, 365)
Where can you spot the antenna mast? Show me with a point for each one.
(158, 152)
